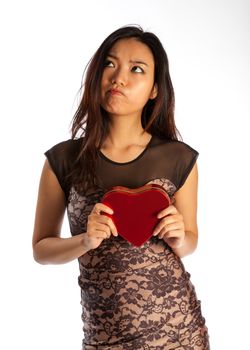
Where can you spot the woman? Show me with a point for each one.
(123, 133)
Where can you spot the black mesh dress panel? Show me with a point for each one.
(160, 159)
(133, 297)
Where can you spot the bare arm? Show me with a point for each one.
(186, 204)
(48, 246)
(178, 226)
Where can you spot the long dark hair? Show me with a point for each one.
(90, 119)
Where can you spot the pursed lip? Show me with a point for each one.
(115, 92)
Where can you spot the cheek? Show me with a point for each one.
(142, 92)
(106, 77)
(102, 83)
(105, 83)
(104, 88)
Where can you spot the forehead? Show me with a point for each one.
(132, 49)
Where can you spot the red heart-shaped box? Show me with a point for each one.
(135, 210)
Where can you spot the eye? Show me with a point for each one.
(107, 62)
(140, 68)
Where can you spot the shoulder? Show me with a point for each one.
(177, 158)
(64, 151)
(183, 148)
(62, 155)
(61, 158)
(67, 146)
(175, 147)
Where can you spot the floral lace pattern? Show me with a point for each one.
(135, 297)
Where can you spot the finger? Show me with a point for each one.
(165, 232)
(169, 220)
(100, 227)
(175, 226)
(177, 233)
(162, 224)
(113, 228)
(100, 207)
(173, 235)
(98, 233)
(175, 242)
(159, 226)
(169, 210)
(172, 218)
(104, 234)
(110, 223)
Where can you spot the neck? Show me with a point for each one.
(125, 132)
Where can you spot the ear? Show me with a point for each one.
(154, 92)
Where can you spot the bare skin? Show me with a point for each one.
(136, 82)
(125, 141)
(48, 246)
(178, 224)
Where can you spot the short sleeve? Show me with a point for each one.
(186, 158)
(60, 158)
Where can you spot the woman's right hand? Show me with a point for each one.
(99, 226)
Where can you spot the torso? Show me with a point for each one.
(133, 297)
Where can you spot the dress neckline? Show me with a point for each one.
(131, 161)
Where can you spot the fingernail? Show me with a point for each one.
(155, 233)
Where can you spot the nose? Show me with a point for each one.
(119, 77)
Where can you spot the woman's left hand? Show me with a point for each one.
(171, 227)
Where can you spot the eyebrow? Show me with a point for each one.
(137, 61)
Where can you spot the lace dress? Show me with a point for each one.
(133, 297)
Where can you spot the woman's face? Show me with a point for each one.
(134, 79)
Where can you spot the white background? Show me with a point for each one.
(45, 46)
